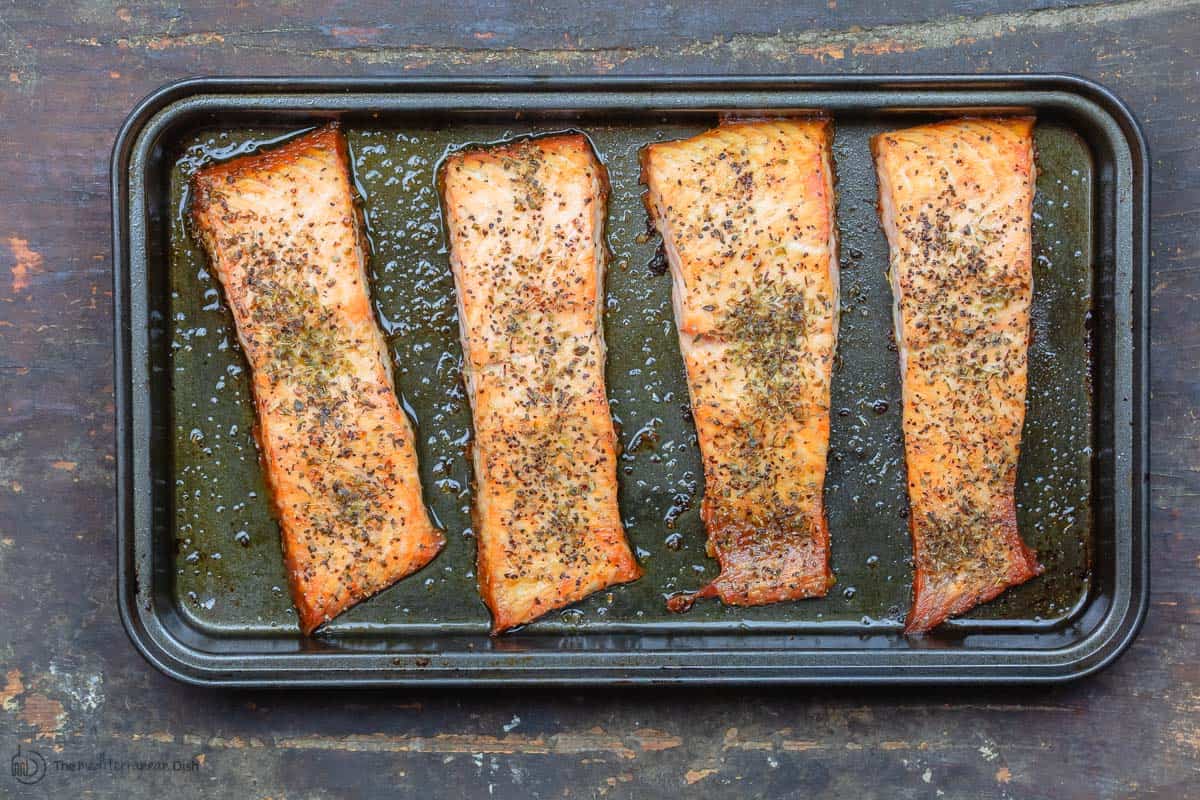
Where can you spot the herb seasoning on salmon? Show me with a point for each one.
(955, 199)
(746, 213)
(283, 234)
(525, 222)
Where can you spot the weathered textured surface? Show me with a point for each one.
(72, 687)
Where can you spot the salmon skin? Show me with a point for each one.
(746, 213)
(955, 199)
(525, 222)
(283, 235)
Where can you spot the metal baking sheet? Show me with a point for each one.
(202, 582)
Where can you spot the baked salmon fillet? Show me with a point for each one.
(746, 213)
(525, 222)
(955, 199)
(283, 235)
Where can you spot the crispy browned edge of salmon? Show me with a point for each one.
(326, 136)
(632, 570)
(683, 601)
(921, 620)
